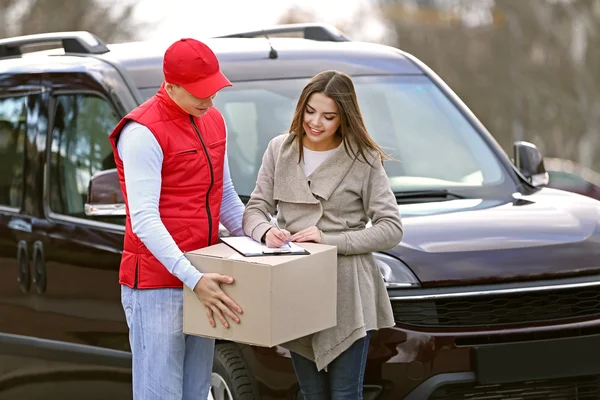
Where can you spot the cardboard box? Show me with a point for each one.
(284, 297)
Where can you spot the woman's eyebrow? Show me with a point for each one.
(313, 109)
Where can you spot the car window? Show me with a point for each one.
(255, 113)
(432, 144)
(13, 122)
(79, 148)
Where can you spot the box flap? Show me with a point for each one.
(221, 250)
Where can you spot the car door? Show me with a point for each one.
(20, 96)
(81, 255)
(73, 316)
(15, 226)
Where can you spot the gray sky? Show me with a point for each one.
(173, 19)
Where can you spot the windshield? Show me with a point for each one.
(432, 144)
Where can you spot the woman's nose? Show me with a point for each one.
(315, 122)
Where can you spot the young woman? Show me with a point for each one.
(326, 180)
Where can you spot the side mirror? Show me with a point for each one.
(529, 160)
(105, 197)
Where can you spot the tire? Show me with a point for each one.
(231, 378)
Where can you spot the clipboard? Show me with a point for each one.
(249, 247)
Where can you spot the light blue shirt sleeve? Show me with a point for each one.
(232, 208)
(142, 163)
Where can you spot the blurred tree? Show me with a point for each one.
(108, 21)
(296, 15)
(530, 70)
(352, 27)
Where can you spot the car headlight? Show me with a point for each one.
(395, 273)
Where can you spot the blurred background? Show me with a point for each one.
(529, 69)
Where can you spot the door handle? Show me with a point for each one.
(39, 267)
(23, 272)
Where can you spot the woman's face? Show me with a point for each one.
(321, 121)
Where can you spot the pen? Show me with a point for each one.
(273, 221)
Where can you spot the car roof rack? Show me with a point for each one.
(72, 42)
(311, 31)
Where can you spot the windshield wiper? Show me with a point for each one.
(410, 196)
(417, 196)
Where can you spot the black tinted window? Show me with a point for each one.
(13, 122)
(80, 148)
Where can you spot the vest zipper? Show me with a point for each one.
(212, 180)
(135, 281)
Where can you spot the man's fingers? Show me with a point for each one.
(219, 315)
(228, 312)
(231, 304)
(209, 315)
(223, 279)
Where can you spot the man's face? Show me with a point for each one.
(187, 101)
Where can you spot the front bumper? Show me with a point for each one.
(537, 366)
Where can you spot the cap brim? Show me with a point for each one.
(208, 86)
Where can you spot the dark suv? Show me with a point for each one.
(495, 286)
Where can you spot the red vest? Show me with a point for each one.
(192, 186)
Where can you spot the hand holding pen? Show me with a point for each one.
(276, 237)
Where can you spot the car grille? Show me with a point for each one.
(500, 310)
(580, 388)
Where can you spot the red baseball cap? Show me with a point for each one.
(193, 65)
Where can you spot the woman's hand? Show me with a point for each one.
(310, 234)
(274, 238)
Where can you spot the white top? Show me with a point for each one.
(312, 159)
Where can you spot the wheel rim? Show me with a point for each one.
(219, 388)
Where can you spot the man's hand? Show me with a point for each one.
(310, 234)
(274, 238)
(215, 301)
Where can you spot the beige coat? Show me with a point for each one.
(339, 197)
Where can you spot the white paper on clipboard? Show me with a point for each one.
(249, 247)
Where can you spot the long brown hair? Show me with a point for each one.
(339, 87)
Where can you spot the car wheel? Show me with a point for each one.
(231, 378)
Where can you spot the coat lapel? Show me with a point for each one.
(328, 176)
(290, 184)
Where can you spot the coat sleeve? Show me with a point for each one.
(380, 204)
(255, 222)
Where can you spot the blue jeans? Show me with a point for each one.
(167, 364)
(343, 379)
